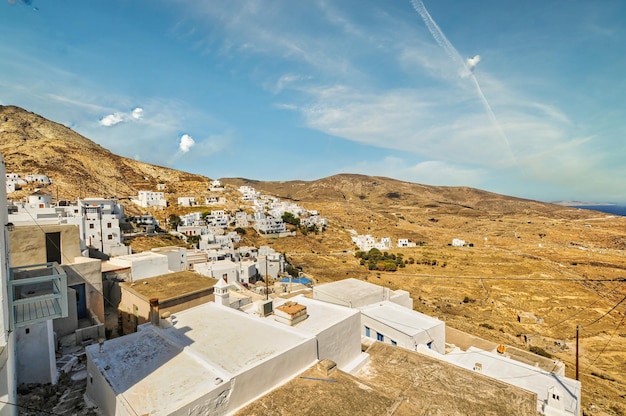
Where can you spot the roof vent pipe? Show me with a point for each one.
(154, 311)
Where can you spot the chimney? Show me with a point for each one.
(154, 311)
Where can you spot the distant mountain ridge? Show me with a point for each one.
(31, 144)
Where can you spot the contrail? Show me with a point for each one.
(451, 51)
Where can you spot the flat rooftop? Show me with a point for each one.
(321, 315)
(522, 375)
(395, 381)
(140, 366)
(214, 334)
(165, 368)
(170, 285)
(405, 320)
(352, 292)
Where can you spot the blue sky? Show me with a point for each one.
(281, 90)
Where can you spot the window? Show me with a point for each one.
(380, 337)
(91, 226)
(110, 237)
(393, 342)
(429, 345)
(367, 331)
(108, 225)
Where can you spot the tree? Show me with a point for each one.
(174, 221)
(289, 218)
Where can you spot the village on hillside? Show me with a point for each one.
(213, 326)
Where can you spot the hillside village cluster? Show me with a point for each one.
(201, 331)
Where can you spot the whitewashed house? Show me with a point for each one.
(458, 242)
(218, 218)
(386, 315)
(41, 179)
(405, 243)
(268, 225)
(242, 219)
(100, 225)
(209, 359)
(214, 200)
(396, 325)
(557, 395)
(149, 199)
(248, 193)
(187, 201)
(143, 265)
(220, 269)
(176, 257)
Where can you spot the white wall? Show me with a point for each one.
(436, 334)
(341, 343)
(36, 361)
(271, 373)
(402, 298)
(143, 265)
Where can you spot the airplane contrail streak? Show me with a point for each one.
(451, 51)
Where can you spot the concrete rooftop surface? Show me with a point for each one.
(398, 382)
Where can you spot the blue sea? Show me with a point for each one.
(611, 209)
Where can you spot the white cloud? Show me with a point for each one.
(112, 119)
(120, 117)
(186, 143)
(137, 113)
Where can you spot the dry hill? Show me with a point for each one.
(566, 266)
(78, 167)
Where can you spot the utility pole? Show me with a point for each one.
(577, 327)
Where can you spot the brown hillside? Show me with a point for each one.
(78, 167)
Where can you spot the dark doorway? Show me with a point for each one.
(81, 301)
(53, 247)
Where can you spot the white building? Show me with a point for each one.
(98, 220)
(205, 360)
(355, 293)
(193, 218)
(247, 271)
(336, 329)
(367, 242)
(268, 225)
(457, 242)
(176, 257)
(41, 179)
(386, 315)
(242, 219)
(405, 243)
(248, 193)
(192, 230)
(218, 218)
(220, 269)
(99, 225)
(148, 199)
(396, 325)
(214, 200)
(556, 395)
(187, 201)
(143, 265)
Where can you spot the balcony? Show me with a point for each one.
(37, 293)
